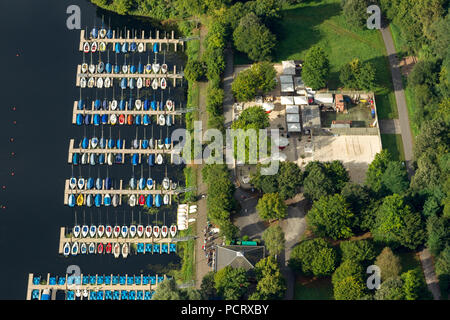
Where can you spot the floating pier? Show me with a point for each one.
(143, 39)
(119, 287)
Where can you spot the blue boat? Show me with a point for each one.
(148, 249)
(97, 104)
(108, 67)
(135, 159)
(116, 68)
(149, 201)
(96, 119)
(141, 183)
(158, 200)
(125, 47)
(72, 200)
(132, 294)
(119, 144)
(149, 183)
(133, 183)
(111, 143)
(123, 83)
(102, 143)
(132, 83)
(85, 143)
(133, 69)
(101, 158)
(146, 120)
(93, 159)
(94, 33)
(108, 183)
(90, 183)
(138, 120)
(155, 48)
(140, 68)
(107, 200)
(133, 47)
(154, 105)
(117, 48)
(81, 104)
(100, 67)
(99, 184)
(151, 160)
(109, 34)
(105, 119)
(118, 158)
(87, 119)
(79, 119)
(75, 158)
(146, 104)
(130, 103)
(105, 104)
(122, 104)
(98, 200)
(139, 295)
(144, 144)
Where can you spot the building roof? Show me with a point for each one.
(293, 117)
(311, 116)
(288, 67)
(287, 87)
(292, 109)
(287, 100)
(300, 100)
(238, 256)
(294, 127)
(286, 79)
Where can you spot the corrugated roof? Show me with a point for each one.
(238, 256)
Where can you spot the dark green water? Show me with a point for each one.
(40, 84)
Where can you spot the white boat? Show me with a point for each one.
(91, 82)
(156, 67)
(73, 183)
(159, 144)
(85, 293)
(155, 84)
(140, 230)
(164, 231)
(159, 158)
(141, 47)
(66, 249)
(84, 158)
(113, 119)
(164, 68)
(110, 159)
(94, 142)
(83, 82)
(75, 248)
(107, 82)
(114, 105)
(78, 293)
(102, 33)
(151, 143)
(116, 231)
(91, 248)
(124, 231)
(115, 200)
(132, 231)
(163, 83)
(173, 230)
(76, 231)
(169, 105)
(89, 200)
(149, 184)
(125, 68)
(92, 68)
(100, 230)
(138, 104)
(148, 68)
(100, 83)
(125, 250)
(132, 200)
(92, 231)
(166, 199)
(166, 183)
(86, 47)
(84, 231)
(84, 68)
(116, 250)
(148, 231)
(108, 231)
(156, 231)
(139, 83)
(81, 183)
(161, 120)
(94, 46)
(169, 120)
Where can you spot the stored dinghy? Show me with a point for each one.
(173, 230)
(163, 83)
(76, 231)
(155, 84)
(148, 231)
(132, 200)
(115, 200)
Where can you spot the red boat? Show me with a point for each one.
(148, 83)
(141, 200)
(108, 248)
(130, 119)
(121, 119)
(100, 248)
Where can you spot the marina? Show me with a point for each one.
(93, 287)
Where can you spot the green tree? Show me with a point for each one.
(358, 75)
(357, 197)
(290, 178)
(231, 284)
(313, 257)
(349, 288)
(391, 289)
(355, 12)
(123, 6)
(413, 284)
(271, 207)
(443, 262)
(273, 238)
(167, 290)
(271, 284)
(252, 118)
(316, 68)
(317, 184)
(330, 216)
(195, 70)
(395, 177)
(207, 288)
(259, 79)
(254, 38)
(358, 250)
(348, 268)
(389, 264)
(374, 174)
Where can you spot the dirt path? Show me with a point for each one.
(430, 275)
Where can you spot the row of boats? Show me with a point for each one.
(121, 119)
(107, 184)
(83, 248)
(124, 231)
(118, 47)
(115, 200)
(131, 83)
(131, 104)
(114, 158)
(109, 68)
(119, 144)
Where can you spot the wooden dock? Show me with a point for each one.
(121, 191)
(170, 75)
(123, 151)
(117, 112)
(146, 40)
(95, 287)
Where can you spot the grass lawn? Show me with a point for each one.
(322, 23)
(313, 289)
(393, 142)
(186, 251)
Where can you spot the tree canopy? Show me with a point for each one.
(271, 207)
(230, 283)
(316, 68)
(389, 264)
(273, 238)
(259, 79)
(271, 284)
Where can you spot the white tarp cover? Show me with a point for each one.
(281, 141)
(300, 100)
(292, 109)
(292, 117)
(293, 127)
(287, 87)
(324, 97)
(267, 106)
(288, 67)
(286, 79)
(287, 100)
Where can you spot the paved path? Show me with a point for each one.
(228, 76)
(400, 98)
(390, 126)
(430, 275)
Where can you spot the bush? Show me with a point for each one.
(195, 70)
(389, 264)
(271, 207)
(358, 251)
(259, 79)
(348, 268)
(316, 68)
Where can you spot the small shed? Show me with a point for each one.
(285, 100)
(287, 87)
(293, 117)
(294, 127)
(286, 79)
(300, 100)
(292, 109)
(324, 98)
(311, 116)
(288, 67)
